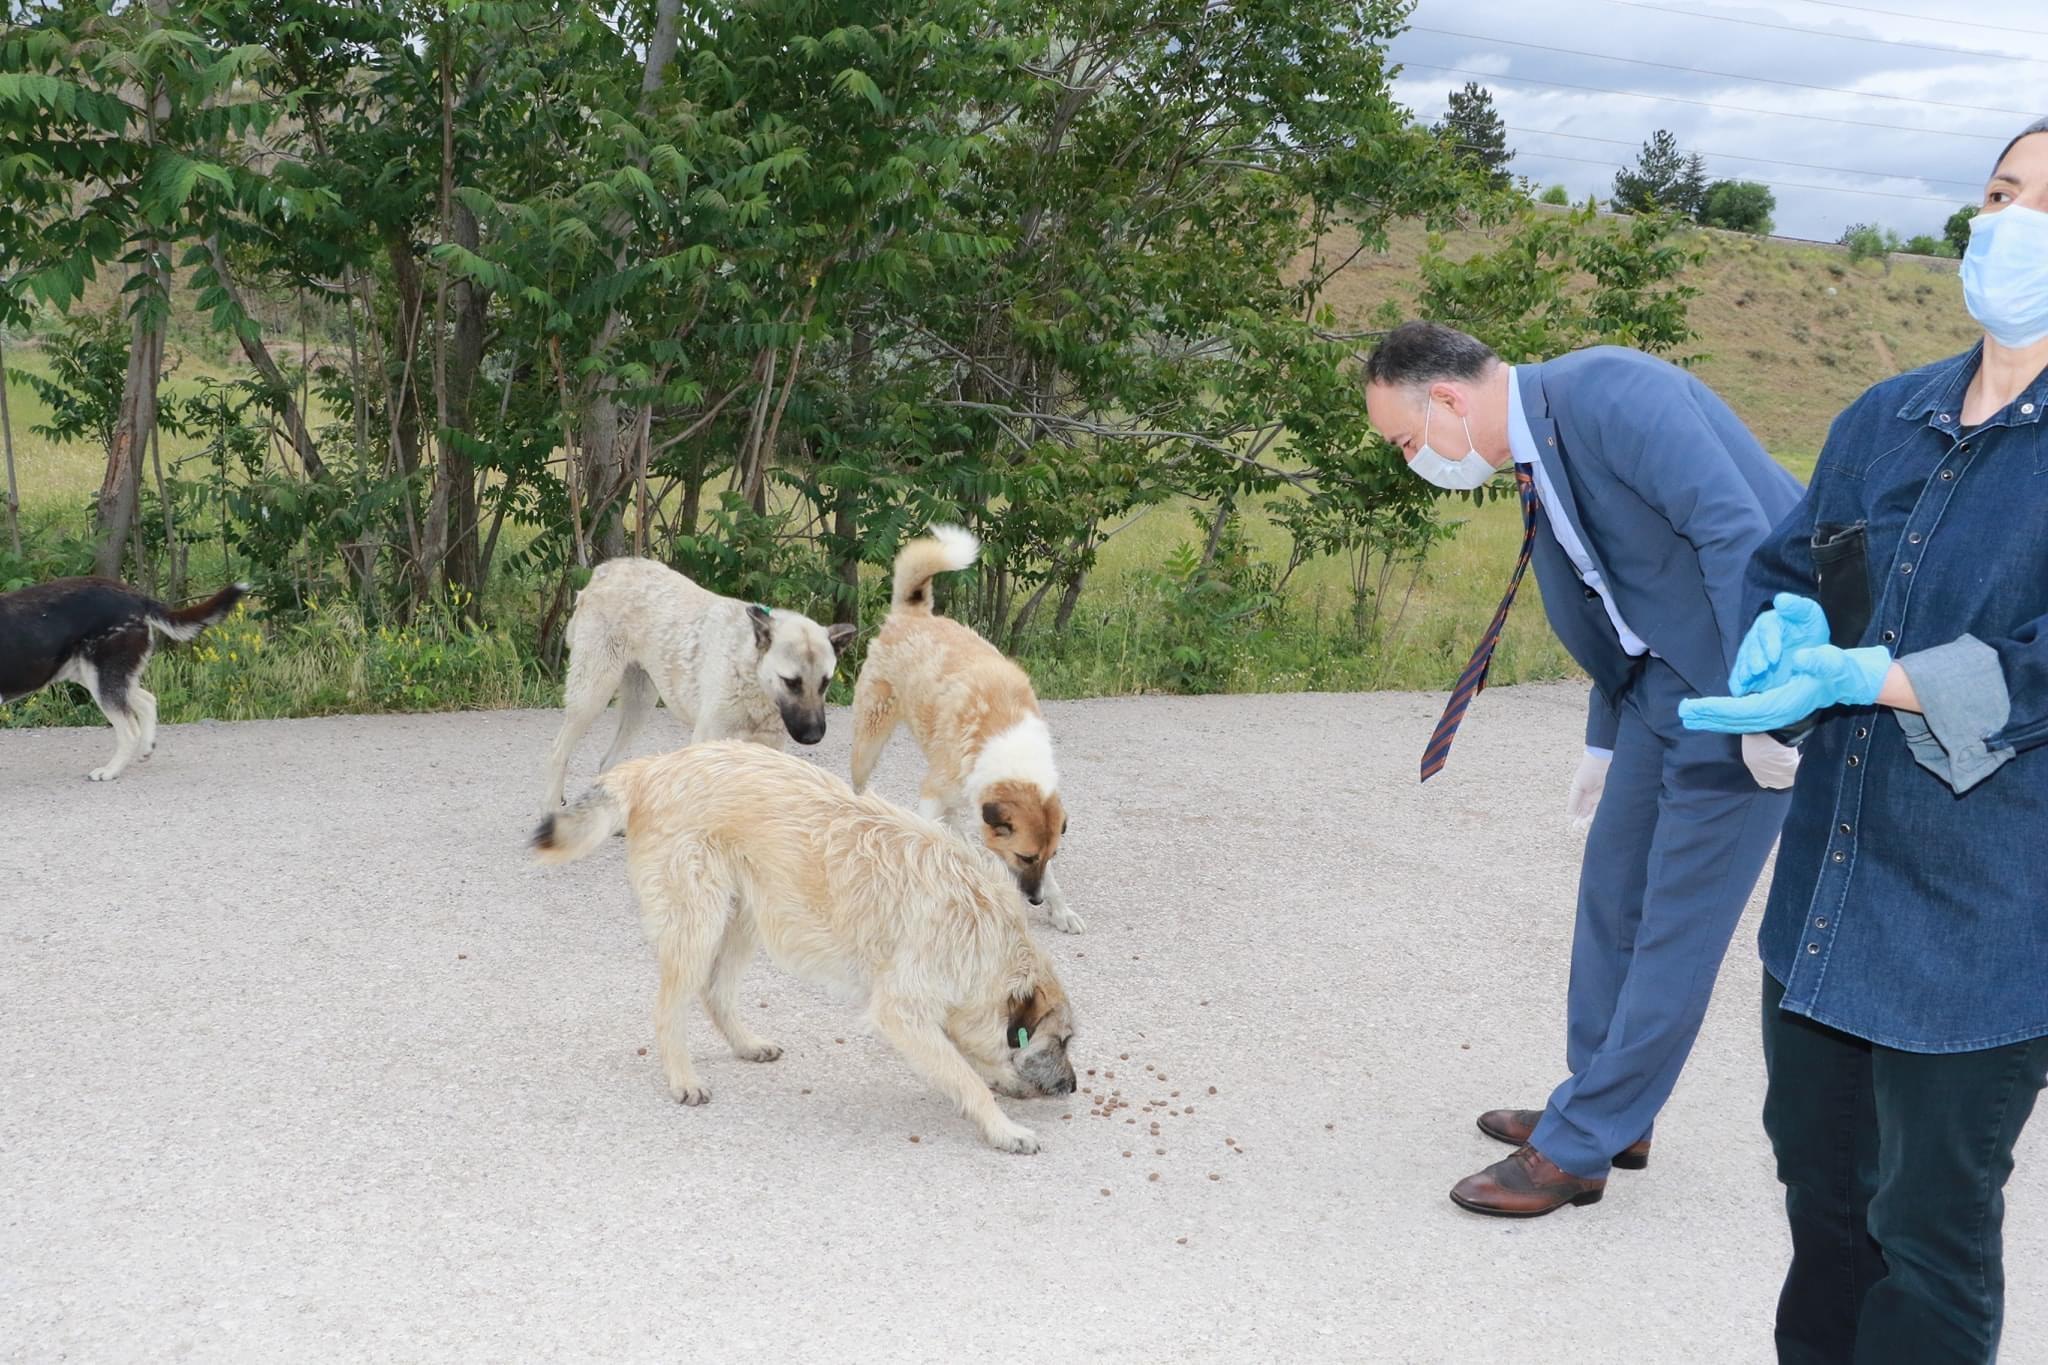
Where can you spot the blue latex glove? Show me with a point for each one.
(1793, 622)
(1816, 677)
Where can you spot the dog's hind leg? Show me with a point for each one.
(924, 1044)
(687, 928)
(594, 673)
(721, 994)
(145, 710)
(636, 704)
(109, 670)
(874, 720)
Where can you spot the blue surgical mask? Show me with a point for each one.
(2005, 275)
(1454, 476)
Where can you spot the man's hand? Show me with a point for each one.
(1773, 765)
(1587, 784)
(1792, 623)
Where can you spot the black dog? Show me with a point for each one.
(96, 632)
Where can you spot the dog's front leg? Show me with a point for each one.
(1063, 917)
(924, 1044)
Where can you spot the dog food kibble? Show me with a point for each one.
(1148, 1066)
(1230, 1142)
(462, 957)
(1159, 1151)
(914, 1138)
(1205, 1002)
(1187, 1109)
(1126, 1153)
(643, 1052)
(1123, 1056)
(1174, 1096)
(1214, 1176)
(1180, 1241)
(1105, 1193)
(1329, 1127)
(1091, 1071)
(807, 1090)
(838, 1040)
(1153, 1176)
(1212, 1089)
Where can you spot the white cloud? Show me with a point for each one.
(1899, 152)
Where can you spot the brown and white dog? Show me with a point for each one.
(730, 846)
(987, 752)
(98, 633)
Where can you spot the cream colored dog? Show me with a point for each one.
(733, 845)
(727, 669)
(987, 752)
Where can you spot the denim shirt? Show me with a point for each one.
(1910, 904)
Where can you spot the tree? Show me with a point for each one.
(1957, 229)
(1689, 195)
(1658, 181)
(1869, 242)
(1926, 244)
(1555, 194)
(1739, 206)
(1475, 130)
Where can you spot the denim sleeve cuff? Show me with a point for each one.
(1963, 701)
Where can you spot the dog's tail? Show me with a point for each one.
(569, 834)
(185, 622)
(945, 549)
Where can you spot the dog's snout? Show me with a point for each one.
(1036, 899)
(1065, 1087)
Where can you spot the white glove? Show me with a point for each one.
(1587, 784)
(1772, 764)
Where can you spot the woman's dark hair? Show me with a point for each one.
(1427, 353)
(2037, 126)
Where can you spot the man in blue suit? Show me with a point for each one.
(1642, 497)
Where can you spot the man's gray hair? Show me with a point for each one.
(2039, 125)
(1427, 353)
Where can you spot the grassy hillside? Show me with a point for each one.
(1787, 334)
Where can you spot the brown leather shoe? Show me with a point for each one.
(1525, 1185)
(1513, 1126)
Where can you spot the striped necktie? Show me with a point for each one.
(1473, 680)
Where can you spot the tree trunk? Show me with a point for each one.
(456, 549)
(115, 513)
(259, 356)
(7, 436)
(604, 472)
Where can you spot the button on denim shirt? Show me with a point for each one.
(1910, 905)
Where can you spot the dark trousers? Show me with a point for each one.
(1894, 1166)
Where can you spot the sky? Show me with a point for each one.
(1924, 158)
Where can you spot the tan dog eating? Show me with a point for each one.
(987, 752)
(732, 845)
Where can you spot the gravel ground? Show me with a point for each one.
(302, 1059)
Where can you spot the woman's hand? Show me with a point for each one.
(1815, 677)
(1792, 623)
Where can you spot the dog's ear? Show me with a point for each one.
(841, 636)
(763, 623)
(995, 817)
(1025, 1014)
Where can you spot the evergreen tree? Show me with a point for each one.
(1475, 128)
(1655, 182)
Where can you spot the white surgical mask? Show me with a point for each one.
(1455, 476)
(2005, 275)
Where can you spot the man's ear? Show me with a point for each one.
(841, 635)
(995, 817)
(764, 630)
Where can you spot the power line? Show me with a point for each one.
(1931, 19)
(1768, 161)
(1780, 184)
(1726, 75)
(1823, 33)
(1704, 104)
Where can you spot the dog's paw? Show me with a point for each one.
(1013, 1138)
(692, 1095)
(106, 774)
(759, 1052)
(1066, 921)
(1015, 1090)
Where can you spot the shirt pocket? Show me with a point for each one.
(1857, 459)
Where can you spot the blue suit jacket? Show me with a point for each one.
(1670, 495)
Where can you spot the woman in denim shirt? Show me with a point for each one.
(1905, 941)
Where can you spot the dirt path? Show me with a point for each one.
(301, 1059)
